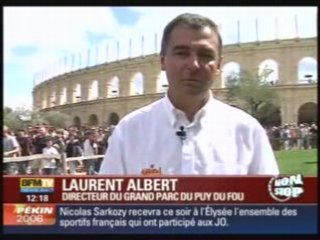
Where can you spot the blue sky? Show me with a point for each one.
(38, 40)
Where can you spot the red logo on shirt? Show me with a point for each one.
(152, 171)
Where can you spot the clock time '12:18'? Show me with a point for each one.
(37, 198)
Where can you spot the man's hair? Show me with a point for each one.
(192, 21)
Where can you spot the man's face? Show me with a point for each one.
(191, 60)
(42, 131)
(93, 137)
(21, 134)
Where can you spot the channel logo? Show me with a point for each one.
(36, 185)
(284, 188)
(29, 214)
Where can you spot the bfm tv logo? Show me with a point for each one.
(284, 188)
(36, 185)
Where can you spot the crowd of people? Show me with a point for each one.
(86, 141)
(293, 136)
(44, 139)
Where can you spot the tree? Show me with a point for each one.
(255, 96)
(55, 119)
(7, 110)
(16, 119)
(21, 118)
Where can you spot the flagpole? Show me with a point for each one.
(72, 62)
(277, 29)
(257, 33)
(65, 64)
(130, 47)
(238, 31)
(296, 26)
(79, 61)
(142, 50)
(155, 42)
(107, 49)
(88, 58)
(97, 55)
(117, 50)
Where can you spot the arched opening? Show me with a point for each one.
(53, 99)
(76, 93)
(44, 103)
(93, 120)
(268, 72)
(230, 71)
(113, 118)
(77, 122)
(113, 87)
(136, 84)
(94, 91)
(307, 71)
(63, 96)
(162, 82)
(307, 113)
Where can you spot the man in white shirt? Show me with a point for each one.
(188, 132)
(90, 148)
(11, 148)
(49, 166)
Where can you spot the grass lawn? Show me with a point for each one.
(298, 161)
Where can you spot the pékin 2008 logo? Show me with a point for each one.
(283, 188)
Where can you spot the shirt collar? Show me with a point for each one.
(173, 114)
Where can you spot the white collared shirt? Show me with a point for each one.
(49, 163)
(221, 140)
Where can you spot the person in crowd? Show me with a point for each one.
(39, 140)
(25, 148)
(90, 148)
(24, 142)
(49, 166)
(73, 149)
(11, 148)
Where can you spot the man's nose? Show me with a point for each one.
(194, 63)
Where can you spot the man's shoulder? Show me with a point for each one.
(144, 112)
(234, 114)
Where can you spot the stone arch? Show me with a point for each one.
(113, 87)
(53, 99)
(268, 71)
(113, 118)
(77, 121)
(63, 96)
(76, 93)
(94, 90)
(307, 70)
(229, 70)
(162, 82)
(136, 84)
(93, 120)
(307, 113)
(44, 103)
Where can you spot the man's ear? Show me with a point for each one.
(218, 71)
(220, 64)
(162, 62)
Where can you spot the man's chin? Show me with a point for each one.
(192, 91)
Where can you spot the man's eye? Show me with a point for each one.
(181, 53)
(206, 55)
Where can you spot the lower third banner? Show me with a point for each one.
(160, 219)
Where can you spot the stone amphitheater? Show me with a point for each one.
(101, 95)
